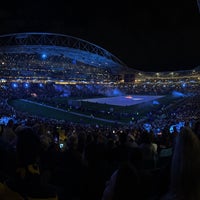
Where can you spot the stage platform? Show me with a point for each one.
(127, 100)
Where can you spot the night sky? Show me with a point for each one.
(146, 35)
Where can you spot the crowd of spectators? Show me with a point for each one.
(48, 158)
(95, 163)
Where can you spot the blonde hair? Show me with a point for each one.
(185, 168)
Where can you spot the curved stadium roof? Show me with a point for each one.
(59, 44)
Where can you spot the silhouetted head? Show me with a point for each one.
(198, 3)
(185, 167)
(28, 146)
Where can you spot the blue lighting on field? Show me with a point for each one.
(155, 102)
(183, 85)
(117, 92)
(44, 56)
(14, 85)
(74, 61)
(78, 87)
(113, 92)
(41, 85)
(26, 85)
(177, 94)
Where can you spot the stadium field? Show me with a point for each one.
(127, 100)
(96, 110)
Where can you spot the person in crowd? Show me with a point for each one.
(185, 173)
(9, 135)
(196, 128)
(131, 141)
(26, 181)
(198, 3)
(149, 150)
(124, 183)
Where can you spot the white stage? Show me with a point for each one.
(128, 100)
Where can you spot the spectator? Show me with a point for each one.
(26, 181)
(8, 134)
(185, 173)
(123, 184)
(197, 128)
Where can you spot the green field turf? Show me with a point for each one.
(54, 113)
(84, 116)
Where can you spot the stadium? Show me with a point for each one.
(45, 57)
(70, 73)
(91, 114)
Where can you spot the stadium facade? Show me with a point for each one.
(48, 57)
(62, 59)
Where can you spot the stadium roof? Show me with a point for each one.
(59, 44)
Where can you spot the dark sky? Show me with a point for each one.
(151, 35)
